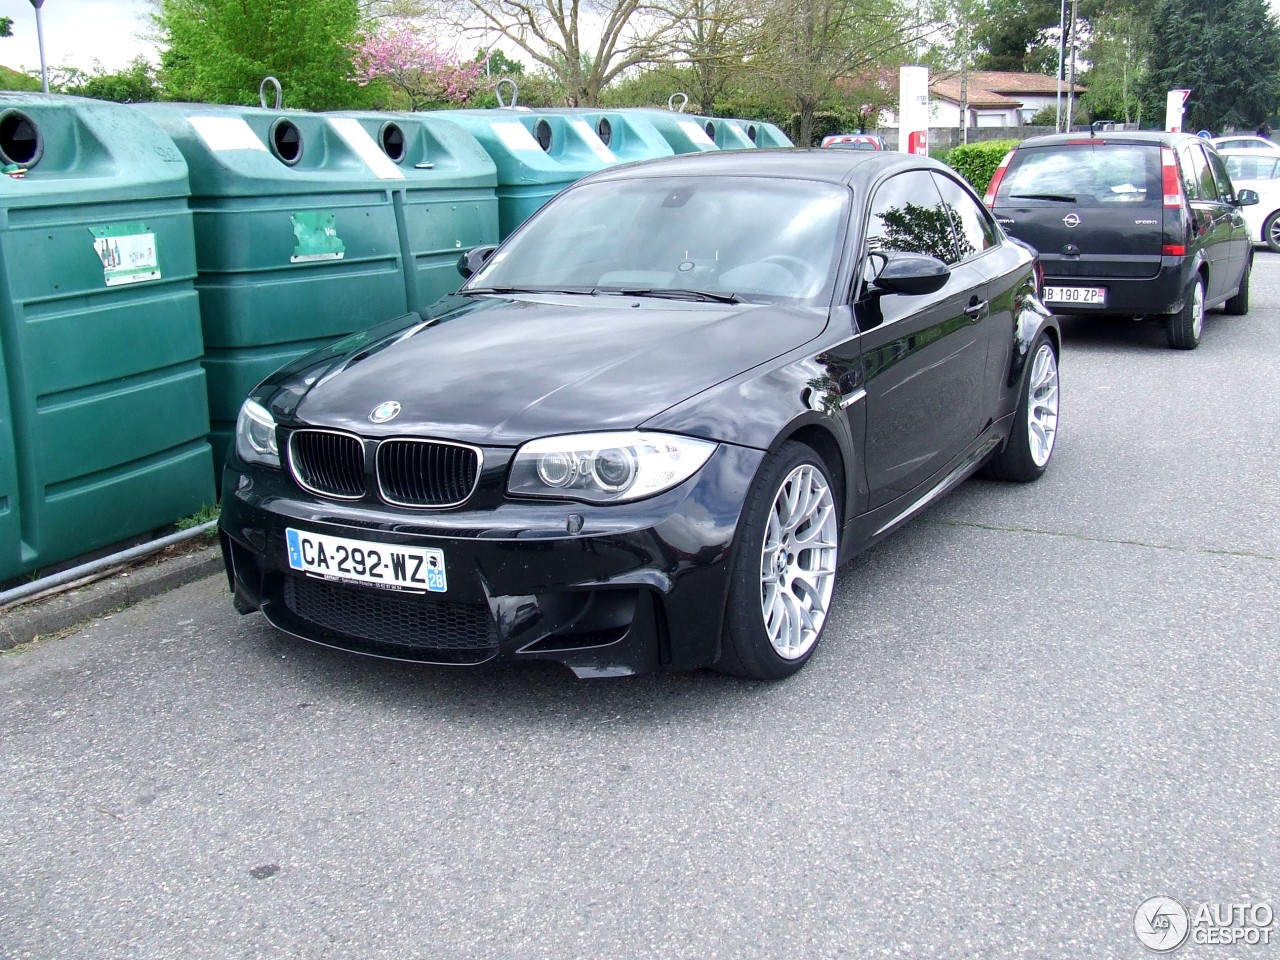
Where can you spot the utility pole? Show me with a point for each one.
(1062, 46)
(1071, 75)
(44, 70)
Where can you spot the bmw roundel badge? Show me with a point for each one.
(385, 411)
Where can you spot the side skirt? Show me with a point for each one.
(868, 528)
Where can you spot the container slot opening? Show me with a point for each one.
(19, 139)
(542, 133)
(604, 129)
(392, 139)
(286, 141)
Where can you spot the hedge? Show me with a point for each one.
(977, 162)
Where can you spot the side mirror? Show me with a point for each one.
(474, 259)
(911, 274)
(1246, 198)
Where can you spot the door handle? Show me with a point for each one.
(976, 310)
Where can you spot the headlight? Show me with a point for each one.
(605, 467)
(256, 435)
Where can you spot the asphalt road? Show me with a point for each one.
(1035, 708)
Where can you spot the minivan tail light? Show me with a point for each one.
(1171, 183)
(1174, 250)
(989, 198)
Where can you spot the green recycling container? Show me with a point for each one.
(445, 197)
(757, 132)
(103, 411)
(297, 240)
(684, 133)
(537, 154)
(726, 134)
(628, 133)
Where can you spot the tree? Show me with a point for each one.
(807, 45)
(6, 26)
(714, 38)
(1117, 61)
(555, 34)
(1227, 54)
(416, 68)
(136, 83)
(220, 50)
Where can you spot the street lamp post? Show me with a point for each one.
(44, 70)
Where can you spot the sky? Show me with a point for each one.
(76, 32)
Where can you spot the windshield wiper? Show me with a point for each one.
(1042, 196)
(682, 293)
(509, 290)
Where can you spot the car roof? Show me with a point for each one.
(1117, 136)
(832, 166)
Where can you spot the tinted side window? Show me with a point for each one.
(1196, 174)
(908, 214)
(977, 232)
(1225, 188)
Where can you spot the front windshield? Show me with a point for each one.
(752, 238)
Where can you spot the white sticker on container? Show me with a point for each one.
(358, 139)
(128, 253)
(226, 133)
(593, 140)
(696, 133)
(515, 136)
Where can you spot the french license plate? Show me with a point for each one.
(389, 566)
(1088, 296)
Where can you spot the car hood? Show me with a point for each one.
(493, 370)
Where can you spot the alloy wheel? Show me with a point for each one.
(1042, 404)
(798, 562)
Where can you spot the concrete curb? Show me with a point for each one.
(42, 616)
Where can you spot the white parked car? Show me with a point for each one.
(1244, 141)
(1258, 170)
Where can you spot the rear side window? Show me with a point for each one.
(1087, 174)
(977, 232)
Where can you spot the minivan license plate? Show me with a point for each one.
(385, 565)
(1089, 296)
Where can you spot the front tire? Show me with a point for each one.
(784, 567)
(1026, 454)
(1183, 328)
(1271, 232)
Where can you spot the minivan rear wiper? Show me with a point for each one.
(682, 293)
(1042, 196)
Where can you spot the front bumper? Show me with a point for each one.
(605, 590)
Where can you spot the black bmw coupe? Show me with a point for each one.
(649, 426)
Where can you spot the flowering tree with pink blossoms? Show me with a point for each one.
(416, 67)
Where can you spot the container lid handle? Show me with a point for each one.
(684, 102)
(515, 92)
(262, 92)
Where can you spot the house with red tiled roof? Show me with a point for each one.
(997, 98)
